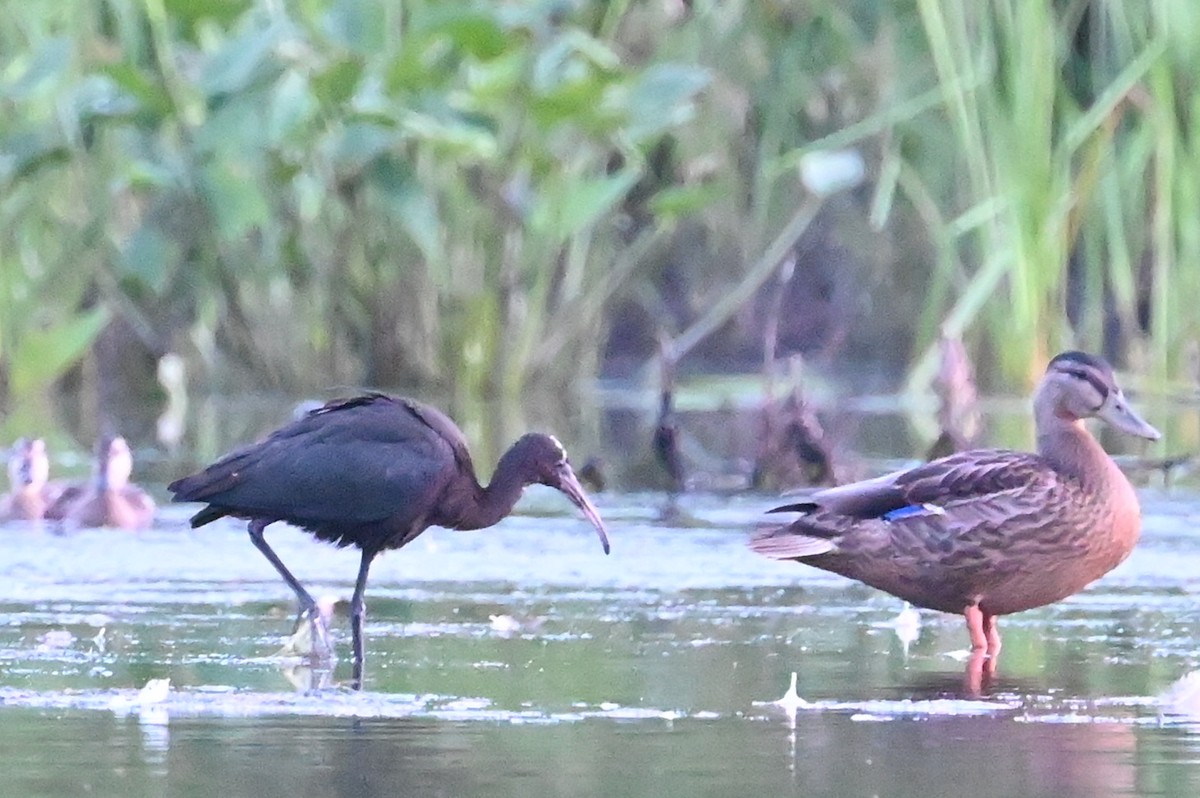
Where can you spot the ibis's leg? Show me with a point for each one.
(321, 645)
(358, 615)
(307, 605)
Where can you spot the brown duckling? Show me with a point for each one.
(109, 499)
(28, 474)
(986, 532)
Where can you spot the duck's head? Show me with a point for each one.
(28, 464)
(1078, 386)
(114, 463)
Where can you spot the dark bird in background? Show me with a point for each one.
(108, 498)
(28, 472)
(594, 474)
(991, 531)
(372, 472)
(665, 442)
(793, 451)
(958, 400)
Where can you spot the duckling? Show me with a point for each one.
(109, 499)
(986, 532)
(28, 473)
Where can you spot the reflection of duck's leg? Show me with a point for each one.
(992, 630)
(973, 676)
(981, 670)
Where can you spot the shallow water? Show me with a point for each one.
(521, 661)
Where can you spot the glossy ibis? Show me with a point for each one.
(372, 472)
(28, 472)
(108, 498)
(991, 531)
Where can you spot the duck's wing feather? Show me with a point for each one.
(964, 475)
(961, 502)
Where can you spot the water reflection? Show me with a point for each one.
(649, 673)
(826, 754)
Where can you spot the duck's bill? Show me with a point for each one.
(569, 484)
(1117, 412)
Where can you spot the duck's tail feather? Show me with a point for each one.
(798, 507)
(783, 543)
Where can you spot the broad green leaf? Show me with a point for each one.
(687, 200)
(470, 135)
(24, 153)
(236, 126)
(358, 25)
(581, 203)
(661, 98)
(241, 61)
(235, 198)
(98, 97)
(141, 173)
(473, 30)
(149, 257)
(412, 206)
(191, 12)
(43, 354)
(292, 106)
(48, 63)
(337, 83)
(357, 145)
(154, 99)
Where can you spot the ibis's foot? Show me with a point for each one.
(322, 640)
(310, 636)
(308, 676)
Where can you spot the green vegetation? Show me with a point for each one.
(449, 196)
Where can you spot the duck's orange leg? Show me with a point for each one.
(975, 627)
(985, 649)
(992, 631)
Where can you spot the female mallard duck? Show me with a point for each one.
(28, 472)
(986, 532)
(109, 499)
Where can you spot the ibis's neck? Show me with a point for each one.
(497, 500)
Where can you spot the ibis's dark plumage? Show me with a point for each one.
(372, 472)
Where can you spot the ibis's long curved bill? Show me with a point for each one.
(566, 481)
